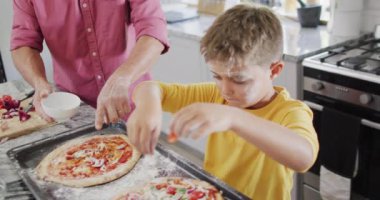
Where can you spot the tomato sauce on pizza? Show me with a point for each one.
(93, 157)
(89, 161)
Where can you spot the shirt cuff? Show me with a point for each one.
(26, 38)
(155, 28)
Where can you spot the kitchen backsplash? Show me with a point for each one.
(371, 15)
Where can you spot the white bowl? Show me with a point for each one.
(61, 106)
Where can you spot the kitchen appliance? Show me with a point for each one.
(347, 79)
(345, 18)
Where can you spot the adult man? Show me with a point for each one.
(90, 42)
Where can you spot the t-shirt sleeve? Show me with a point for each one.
(26, 30)
(300, 120)
(177, 96)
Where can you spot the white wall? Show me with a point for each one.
(371, 15)
(6, 16)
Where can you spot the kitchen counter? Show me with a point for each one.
(298, 42)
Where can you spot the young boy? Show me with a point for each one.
(258, 135)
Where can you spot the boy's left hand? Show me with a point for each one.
(200, 119)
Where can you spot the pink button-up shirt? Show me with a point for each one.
(88, 39)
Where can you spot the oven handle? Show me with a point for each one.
(364, 122)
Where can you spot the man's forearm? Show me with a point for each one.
(145, 54)
(29, 63)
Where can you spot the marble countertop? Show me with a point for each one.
(298, 42)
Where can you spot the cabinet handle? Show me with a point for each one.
(364, 122)
(314, 105)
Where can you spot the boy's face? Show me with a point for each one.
(243, 87)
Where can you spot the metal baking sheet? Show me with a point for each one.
(164, 162)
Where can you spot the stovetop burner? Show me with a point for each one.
(362, 57)
(353, 62)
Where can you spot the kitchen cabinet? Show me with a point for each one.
(182, 64)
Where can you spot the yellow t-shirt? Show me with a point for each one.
(237, 162)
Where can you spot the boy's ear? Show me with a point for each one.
(276, 69)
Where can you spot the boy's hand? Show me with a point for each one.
(201, 119)
(143, 128)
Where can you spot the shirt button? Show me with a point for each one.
(89, 30)
(94, 53)
(99, 77)
(84, 5)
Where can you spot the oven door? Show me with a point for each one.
(368, 174)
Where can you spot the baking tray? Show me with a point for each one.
(165, 162)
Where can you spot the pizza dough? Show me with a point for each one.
(172, 188)
(89, 161)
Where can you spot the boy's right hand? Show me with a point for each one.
(144, 127)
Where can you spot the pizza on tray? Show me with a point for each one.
(89, 161)
(173, 188)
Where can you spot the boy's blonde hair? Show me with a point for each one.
(244, 33)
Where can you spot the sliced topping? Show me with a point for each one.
(181, 191)
(103, 168)
(97, 162)
(79, 154)
(125, 157)
(23, 116)
(196, 195)
(122, 146)
(161, 185)
(171, 190)
(212, 193)
(172, 137)
(71, 151)
(13, 108)
(101, 146)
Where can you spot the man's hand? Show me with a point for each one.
(113, 101)
(42, 90)
(200, 119)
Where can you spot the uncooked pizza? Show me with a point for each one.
(89, 161)
(175, 188)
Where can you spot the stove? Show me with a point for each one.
(346, 79)
(360, 60)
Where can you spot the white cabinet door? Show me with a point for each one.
(181, 64)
